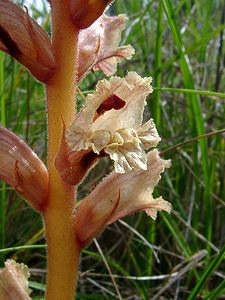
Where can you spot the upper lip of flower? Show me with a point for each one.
(117, 129)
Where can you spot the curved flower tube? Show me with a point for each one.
(22, 38)
(119, 195)
(22, 169)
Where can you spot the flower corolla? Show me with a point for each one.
(111, 123)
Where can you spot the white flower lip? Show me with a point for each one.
(119, 131)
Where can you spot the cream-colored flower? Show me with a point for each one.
(14, 281)
(111, 122)
(119, 195)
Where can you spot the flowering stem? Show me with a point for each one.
(63, 250)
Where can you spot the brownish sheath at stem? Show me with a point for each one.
(63, 250)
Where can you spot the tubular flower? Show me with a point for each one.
(22, 169)
(111, 122)
(99, 46)
(22, 38)
(119, 195)
(84, 13)
(13, 281)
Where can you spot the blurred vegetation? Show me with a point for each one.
(179, 256)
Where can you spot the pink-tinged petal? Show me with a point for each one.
(159, 205)
(22, 169)
(85, 13)
(22, 38)
(14, 281)
(98, 214)
(99, 46)
(134, 190)
(107, 63)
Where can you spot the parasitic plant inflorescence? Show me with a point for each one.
(110, 124)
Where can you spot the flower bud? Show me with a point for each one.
(26, 41)
(22, 169)
(84, 13)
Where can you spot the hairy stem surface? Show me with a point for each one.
(63, 250)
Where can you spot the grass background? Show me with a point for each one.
(179, 256)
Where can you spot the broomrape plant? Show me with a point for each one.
(84, 39)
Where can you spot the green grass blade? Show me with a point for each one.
(195, 114)
(190, 91)
(155, 102)
(207, 273)
(182, 243)
(22, 248)
(217, 292)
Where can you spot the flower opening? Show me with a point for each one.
(111, 122)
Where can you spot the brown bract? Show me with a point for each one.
(99, 46)
(74, 165)
(22, 38)
(22, 169)
(85, 13)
